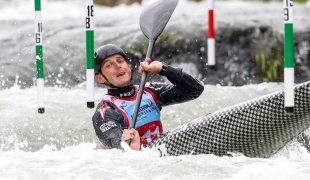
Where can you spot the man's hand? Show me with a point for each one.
(152, 68)
(134, 136)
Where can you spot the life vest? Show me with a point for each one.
(148, 122)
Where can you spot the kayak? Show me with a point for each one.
(256, 128)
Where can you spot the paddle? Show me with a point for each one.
(153, 20)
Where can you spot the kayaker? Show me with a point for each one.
(114, 112)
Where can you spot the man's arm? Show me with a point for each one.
(110, 127)
(183, 88)
(107, 122)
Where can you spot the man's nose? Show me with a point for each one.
(117, 65)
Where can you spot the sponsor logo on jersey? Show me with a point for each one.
(123, 105)
(147, 108)
(150, 131)
(127, 94)
(107, 126)
(150, 135)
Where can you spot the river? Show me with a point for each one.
(61, 143)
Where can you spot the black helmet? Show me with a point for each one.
(104, 52)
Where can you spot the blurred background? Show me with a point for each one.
(248, 40)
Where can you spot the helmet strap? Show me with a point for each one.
(107, 82)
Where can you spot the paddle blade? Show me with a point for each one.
(155, 16)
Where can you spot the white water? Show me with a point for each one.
(64, 33)
(61, 143)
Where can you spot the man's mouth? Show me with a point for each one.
(120, 74)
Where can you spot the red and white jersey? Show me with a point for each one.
(148, 122)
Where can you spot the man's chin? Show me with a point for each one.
(122, 83)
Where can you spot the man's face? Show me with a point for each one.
(116, 70)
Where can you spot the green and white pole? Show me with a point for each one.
(90, 53)
(39, 55)
(288, 56)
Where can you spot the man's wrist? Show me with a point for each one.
(163, 69)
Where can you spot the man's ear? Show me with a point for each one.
(100, 78)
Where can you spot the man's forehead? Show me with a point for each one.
(117, 56)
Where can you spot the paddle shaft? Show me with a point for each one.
(142, 84)
(141, 87)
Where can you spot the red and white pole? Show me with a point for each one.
(211, 41)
